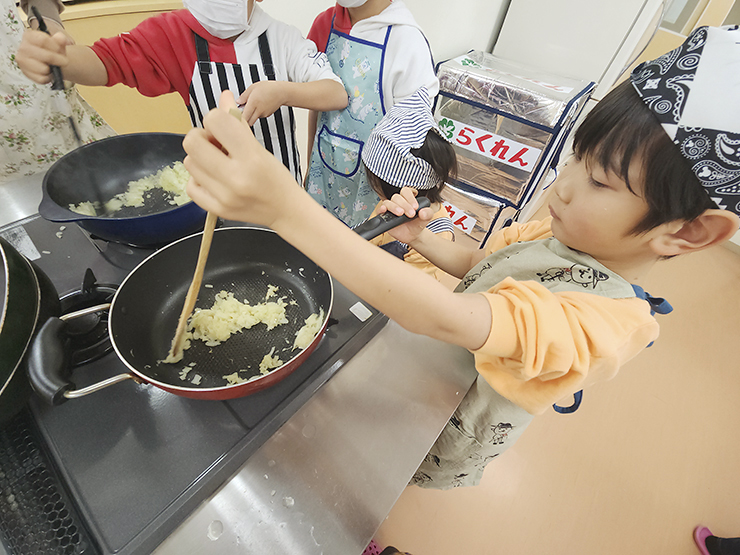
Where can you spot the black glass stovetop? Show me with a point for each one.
(134, 459)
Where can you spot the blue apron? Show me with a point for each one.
(337, 178)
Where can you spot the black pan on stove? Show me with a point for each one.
(145, 309)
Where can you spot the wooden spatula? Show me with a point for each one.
(176, 348)
(178, 341)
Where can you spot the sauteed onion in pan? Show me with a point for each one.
(170, 180)
(228, 316)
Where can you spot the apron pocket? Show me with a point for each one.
(339, 153)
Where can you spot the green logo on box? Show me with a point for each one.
(447, 126)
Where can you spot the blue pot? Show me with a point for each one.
(103, 169)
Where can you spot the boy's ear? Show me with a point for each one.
(712, 227)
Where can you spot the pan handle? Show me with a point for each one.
(77, 393)
(378, 225)
(51, 211)
(49, 362)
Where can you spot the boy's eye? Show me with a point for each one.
(597, 184)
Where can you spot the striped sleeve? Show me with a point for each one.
(440, 225)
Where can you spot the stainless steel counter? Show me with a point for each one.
(327, 479)
(20, 198)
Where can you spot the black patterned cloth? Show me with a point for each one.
(694, 91)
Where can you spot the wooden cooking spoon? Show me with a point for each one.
(178, 341)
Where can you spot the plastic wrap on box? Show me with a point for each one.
(470, 211)
(525, 93)
(507, 122)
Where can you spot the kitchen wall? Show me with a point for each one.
(452, 28)
(578, 38)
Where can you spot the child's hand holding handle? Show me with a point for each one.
(39, 53)
(387, 221)
(406, 204)
(57, 81)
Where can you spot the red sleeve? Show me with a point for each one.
(158, 56)
(321, 27)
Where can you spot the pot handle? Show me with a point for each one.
(378, 225)
(48, 362)
(50, 210)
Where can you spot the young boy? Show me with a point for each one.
(200, 52)
(382, 56)
(548, 307)
(406, 149)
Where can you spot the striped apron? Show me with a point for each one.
(276, 132)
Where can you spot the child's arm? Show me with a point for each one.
(233, 185)
(532, 345)
(38, 51)
(262, 99)
(311, 83)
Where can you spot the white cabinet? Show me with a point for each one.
(452, 28)
(592, 40)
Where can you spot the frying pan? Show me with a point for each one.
(145, 309)
(104, 168)
(27, 298)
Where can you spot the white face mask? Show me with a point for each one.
(351, 3)
(221, 18)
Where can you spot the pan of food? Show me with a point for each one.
(27, 299)
(261, 311)
(126, 188)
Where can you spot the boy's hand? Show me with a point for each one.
(38, 51)
(405, 203)
(261, 100)
(232, 174)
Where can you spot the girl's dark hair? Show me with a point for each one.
(621, 129)
(440, 155)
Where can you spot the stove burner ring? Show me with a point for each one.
(88, 335)
(83, 325)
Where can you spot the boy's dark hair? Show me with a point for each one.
(621, 129)
(438, 153)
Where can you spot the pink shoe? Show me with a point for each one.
(701, 533)
(374, 549)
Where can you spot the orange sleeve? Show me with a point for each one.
(516, 232)
(544, 346)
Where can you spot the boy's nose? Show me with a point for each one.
(562, 188)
